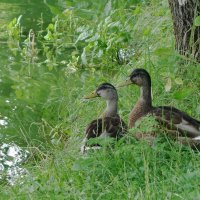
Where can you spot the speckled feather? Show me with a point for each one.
(172, 118)
(114, 126)
(110, 125)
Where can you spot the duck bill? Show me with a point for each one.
(125, 83)
(90, 96)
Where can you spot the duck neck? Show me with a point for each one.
(142, 107)
(111, 108)
(145, 96)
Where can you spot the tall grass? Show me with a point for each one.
(127, 169)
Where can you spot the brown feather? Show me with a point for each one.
(114, 126)
(172, 117)
(137, 112)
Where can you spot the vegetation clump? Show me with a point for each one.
(85, 44)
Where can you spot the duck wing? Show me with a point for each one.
(175, 119)
(108, 126)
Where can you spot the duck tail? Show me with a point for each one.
(196, 138)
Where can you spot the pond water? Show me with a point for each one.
(14, 112)
(32, 12)
(11, 159)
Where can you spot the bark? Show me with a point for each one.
(187, 36)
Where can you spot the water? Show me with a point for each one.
(31, 10)
(13, 67)
(16, 114)
(11, 159)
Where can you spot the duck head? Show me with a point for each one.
(106, 90)
(138, 77)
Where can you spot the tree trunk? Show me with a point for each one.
(187, 36)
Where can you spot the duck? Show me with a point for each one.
(109, 124)
(178, 123)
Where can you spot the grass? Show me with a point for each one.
(128, 169)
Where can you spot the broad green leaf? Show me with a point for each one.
(197, 21)
(137, 10)
(178, 81)
(50, 26)
(168, 85)
(84, 35)
(83, 57)
(48, 36)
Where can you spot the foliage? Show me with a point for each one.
(127, 170)
(85, 44)
(197, 21)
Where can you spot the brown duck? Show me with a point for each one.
(176, 121)
(109, 124)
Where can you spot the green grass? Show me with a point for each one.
(127, 169)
